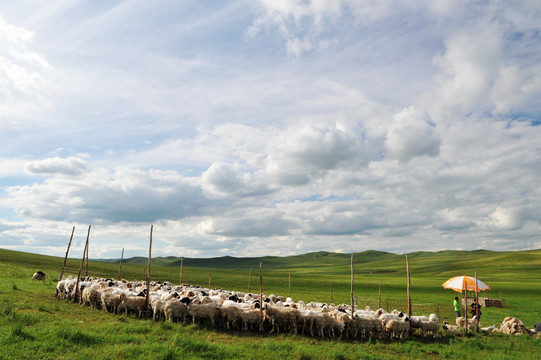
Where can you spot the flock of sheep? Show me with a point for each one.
(247, 312)
(242, 311)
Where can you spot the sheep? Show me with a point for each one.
(175, 310)
(282, 317)
(110, 299)
(514, 326)
(367, 325)
(472, 323)
(59, 289)
(452, 329)
(91, 295)
(39, 276)
(251, 318)
(157, 306)
(397, 329)
(135, 303)
(230, 314)
(429, 327)
(201, 312)
(325, 322)
(344, 318)
(415, 321)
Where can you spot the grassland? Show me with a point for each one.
(34, 324)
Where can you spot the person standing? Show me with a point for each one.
(475, 308)
(456, 305)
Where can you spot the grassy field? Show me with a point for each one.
(34, 324)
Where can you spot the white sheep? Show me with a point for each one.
(91, 296)
(251, 318)
(397, 329)
(110, 299)
(514, 326)
(175, 310)
(431, 327)
(367, 325)
(202, 312)
(133, 303)
(157, 305)
(230, 314)
(325, 322)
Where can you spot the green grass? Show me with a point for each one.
(34, 324)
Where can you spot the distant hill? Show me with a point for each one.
(451, 261)
(447, 262)
(316, 258)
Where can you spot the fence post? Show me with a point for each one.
(181, 264)
(261, 291)
(66, 257)
(250, 281)
(120, 267)
(409, 295)
(351, 292)
(148, 274)
(289, 283)
(379, 295)
(81, 268)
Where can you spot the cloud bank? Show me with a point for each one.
(274, 128)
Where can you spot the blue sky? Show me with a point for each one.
(250, 128)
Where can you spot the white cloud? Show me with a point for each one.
(411, 134)
(56, 165)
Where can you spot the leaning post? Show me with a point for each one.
(66, 257)
(75, 297)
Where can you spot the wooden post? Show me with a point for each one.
(351, 292)
(379, 295)
(86, 271)
(261, 289)
(477, 301)
(120, 267)
(148, 273)
(289, 283)
(465, 286)
(250, 281)
(181, 265)
(409, 284)
(75, 297)
(332, 300)
(66, 257)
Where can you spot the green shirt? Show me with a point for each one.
(456, 305)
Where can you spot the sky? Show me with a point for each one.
(269, 127)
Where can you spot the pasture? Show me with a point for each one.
(34, 324)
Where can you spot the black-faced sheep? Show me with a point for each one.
(39, 276)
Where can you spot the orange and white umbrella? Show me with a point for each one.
(461, 283)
